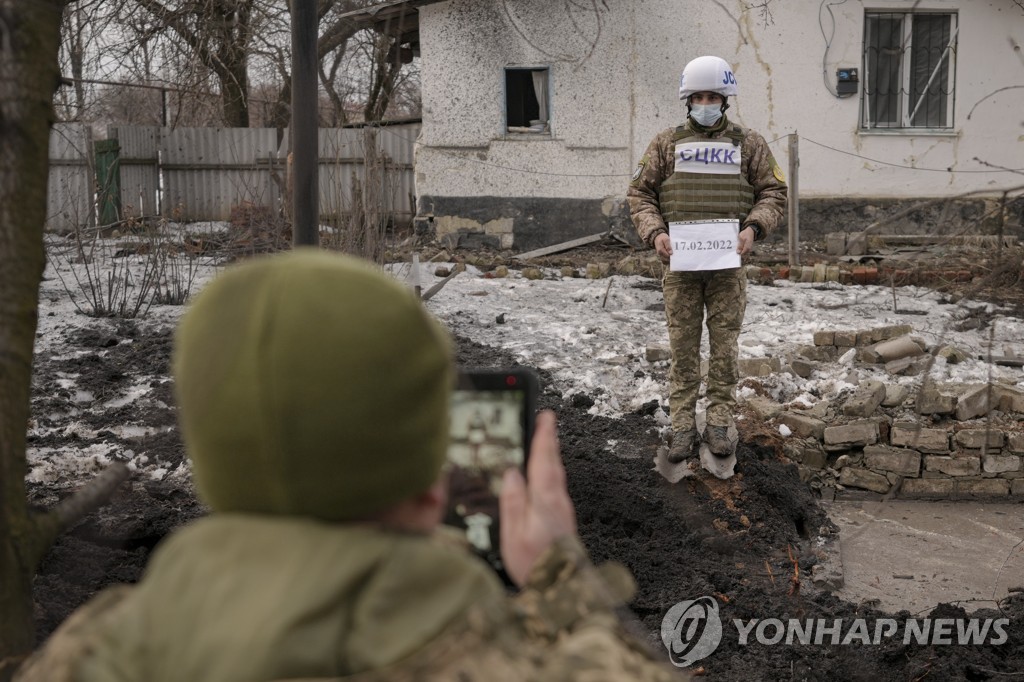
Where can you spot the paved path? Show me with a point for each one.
(914, 555)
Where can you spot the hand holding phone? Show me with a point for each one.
(492, 416)
(536, 512)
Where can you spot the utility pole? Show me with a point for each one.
(793, 205)
(305, 146)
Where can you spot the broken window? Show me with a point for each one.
(526, 100)
(909, 62)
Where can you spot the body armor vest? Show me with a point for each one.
(706, 196)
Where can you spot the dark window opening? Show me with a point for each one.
(526, 100)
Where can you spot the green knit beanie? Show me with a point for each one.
(311, 384)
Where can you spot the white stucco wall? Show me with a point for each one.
(615, 75)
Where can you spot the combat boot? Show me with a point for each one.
(717, 438)
(684, 446)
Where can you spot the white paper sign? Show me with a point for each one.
(720, 157)
(704, 245)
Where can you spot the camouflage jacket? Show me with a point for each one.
(258, 600)
(658, 163)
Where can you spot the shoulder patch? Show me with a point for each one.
(777, 171)
(639, 169)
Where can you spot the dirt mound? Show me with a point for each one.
(750, 542)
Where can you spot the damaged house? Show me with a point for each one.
(535, 112)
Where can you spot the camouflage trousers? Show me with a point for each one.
(723, 295)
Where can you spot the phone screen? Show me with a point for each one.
(491, 423)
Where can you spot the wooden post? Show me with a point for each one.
(793, 217)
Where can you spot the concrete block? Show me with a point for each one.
(818, 410)
(1017, 487)
(895, 394)
(952, 355)
(893, 330)
(974, 402)
(897, 348)
(824, 338)
(911, 435)
(927, 488)
(1009, 398)
(832, 273)
(819, 272)
(802, 426)
(835, 243)
(865, 400)
(657, 353)
(897, 460)
(531, 273)
(855, 434)
(986, 487)
(802, 368)
(999, 464)
(765, 408)
(758, 367)
(953, 466)
(865, 337)
(818, 353)
(810, 455)
(569, 271)
(845, 339)
(855, 477)
(978, 439)
(856, 244)
(598, 270)
(1015, 442)
(902, 366)
(867, 355)
(931, 401)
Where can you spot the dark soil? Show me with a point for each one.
(751, 541)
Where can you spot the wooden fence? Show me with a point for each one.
(198, 174)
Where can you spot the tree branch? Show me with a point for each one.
(95, 494)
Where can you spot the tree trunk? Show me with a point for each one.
(386, 67)
(234, 88)
(29, 38)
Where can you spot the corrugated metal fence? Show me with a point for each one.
(195, 174)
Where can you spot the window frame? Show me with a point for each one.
(524, 131)
(905, 105)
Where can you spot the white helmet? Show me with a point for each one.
(707, 74)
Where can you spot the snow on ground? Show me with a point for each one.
(591, 335)
(566, 326)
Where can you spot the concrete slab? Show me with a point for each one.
(913, 555)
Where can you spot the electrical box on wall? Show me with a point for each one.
(846, 81)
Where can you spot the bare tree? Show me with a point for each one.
(29, 40)
(217, 34)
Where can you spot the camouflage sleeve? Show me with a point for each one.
(59, 659)
(765, 176)
(571, 604)
(654, 167)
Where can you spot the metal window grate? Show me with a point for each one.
(909, 67)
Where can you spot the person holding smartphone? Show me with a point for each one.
(701, 195)
(313, 395)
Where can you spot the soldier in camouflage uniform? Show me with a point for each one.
(316, 421)
(667, 187)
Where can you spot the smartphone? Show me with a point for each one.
(492, 416)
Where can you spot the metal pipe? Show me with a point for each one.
(304, 128)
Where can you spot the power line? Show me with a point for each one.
(623, 175)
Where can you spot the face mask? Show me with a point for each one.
(706, 114)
